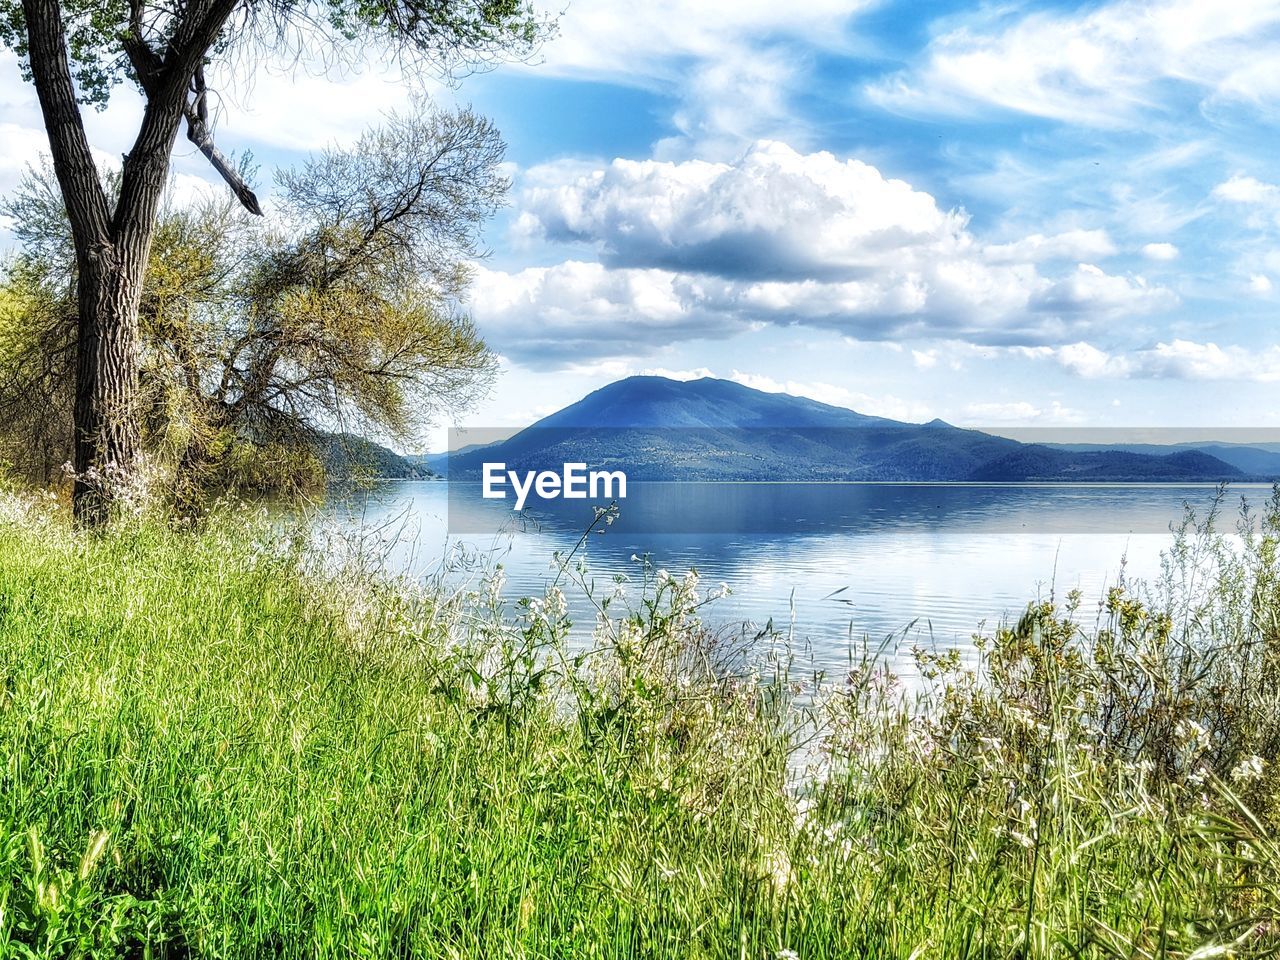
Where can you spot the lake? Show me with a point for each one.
(833, 563)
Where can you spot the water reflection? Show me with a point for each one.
(837, 561)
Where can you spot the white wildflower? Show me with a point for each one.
(804, 807)
(556, 605)
(1023, 839)
(1192, 734)
(1248, 769)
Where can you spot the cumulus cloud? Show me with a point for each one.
(1251, 190)
(784, 237)
(1091, 289)
(1189, 360)
(578, 311)
(774, 213)
(1071, 245)
(1177, 359)
(1259, 200)
(1102, 66)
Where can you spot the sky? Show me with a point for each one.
(1017, 214)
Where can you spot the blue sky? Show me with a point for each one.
(1010, 214)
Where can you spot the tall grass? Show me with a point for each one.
(216, 747)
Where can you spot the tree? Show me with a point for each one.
(256, 339)
(76, 51)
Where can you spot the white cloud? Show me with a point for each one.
(733, 64)
(1176, 359)
(1251, 190)
(1019, 412)
(696, 374)
(1188, 360)
(23, 147)
(925, 359)
(578, 312)
(774, 213)
(1260, 284)
(889, 406)
(1071, 245)
(783, 237)
(617, 39)
(1259, 200)
(1090, 288)
(1083, 359)
(1160, 251)
(301, 106)
(1102, 66)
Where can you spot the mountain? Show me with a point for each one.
(660, 429)
(438, 463)
(645, 402)
(1255, 460)
(348, 457)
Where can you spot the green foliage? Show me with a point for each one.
(94, 30)
(219, 747)
(258, 341)
(446, 34)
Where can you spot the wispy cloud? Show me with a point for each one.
(733, 65)
(1104, 66)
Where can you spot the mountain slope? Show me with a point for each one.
(660, 429)
(347, 457)
(1254, 460)
(643, 402)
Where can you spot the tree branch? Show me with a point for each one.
(146, 63)
(198, 133)
(147, 163)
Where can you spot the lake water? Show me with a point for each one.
(832, 563)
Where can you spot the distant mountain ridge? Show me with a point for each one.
(347, 457)
(655, 428)
(1256, 460)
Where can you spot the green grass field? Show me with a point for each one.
(212, 748)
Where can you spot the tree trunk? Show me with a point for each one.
(106, 407)
(112, 249)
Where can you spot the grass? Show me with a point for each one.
(215, 748)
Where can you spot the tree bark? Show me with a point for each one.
(106, 416)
